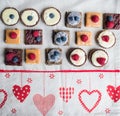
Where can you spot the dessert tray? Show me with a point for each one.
(60, 58)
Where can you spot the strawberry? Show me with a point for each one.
(31, 56)
(75, 57)
(13, 35)
(105, 38)
(84, 38)
(101, 60)
(110, 24)
(95, 18)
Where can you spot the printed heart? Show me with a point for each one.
(44, 104)
(4, 99)
(101, 60)
(113, 92)
(93, 96)
(105, 38)
(21, 92)
(66, 93)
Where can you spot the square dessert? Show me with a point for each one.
(12, 36)
(13, 56)
(111, 21)
(33, 37)
(61, 37)
(32, 56)
(93, 19)
(53, 56)
(83, 38)
(73, 19)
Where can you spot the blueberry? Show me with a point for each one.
(58, 40)
(51, 15)
(70, 18)
(76, 18)
(63, 38)
(30, 18)
(56, 53)
(52, 56)
(15, 59)
(11, 16)
(38, 39)
(109, 18)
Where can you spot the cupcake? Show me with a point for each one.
(106, 39)
(76, 56)
(51, 16)
(98, 57)
(30, 17)
(10, 16)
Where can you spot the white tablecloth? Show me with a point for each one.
(45, 86)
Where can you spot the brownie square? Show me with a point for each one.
(32, 56)
(111, 21)
(12, 36)
(53, 56)
(13, 56)
(83, 38)
(33, 37)
(93, 19)
(73, 19)
(61, 37)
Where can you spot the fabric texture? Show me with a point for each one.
(60, 90)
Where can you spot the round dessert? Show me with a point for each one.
(77, 57)
(30, 17)
(106, 39)
(10, 16)
(98, 57)
(51, 16)
(61, 38)
(54, 56)
(74, 18)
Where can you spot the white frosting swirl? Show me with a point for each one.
(82, 56)
(59, 35)
(111, 41)
(51, 21)
(98, 54)
(6, 16)
(30, 12)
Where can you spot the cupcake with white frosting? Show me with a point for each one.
(98, 57)
(106, 39)
(10, 16)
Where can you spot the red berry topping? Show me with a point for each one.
(110, 24)
(105, 38)
(13, 35)
(36, 33)
(75, 57)
(31, 56)
(101, 60)
(84, 38)
(9, 56)
(95, 18)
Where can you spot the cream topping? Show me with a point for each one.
(82, 56)
(74, 18)
(59, 36)
(6, 16)
(32, 13)
(98, 54)
(111, 41)
(51, 21)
